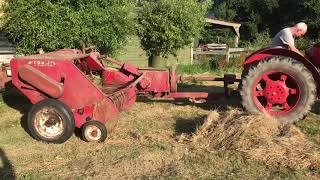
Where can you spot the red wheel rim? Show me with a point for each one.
(276, 93)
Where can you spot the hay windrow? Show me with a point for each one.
(257, 136)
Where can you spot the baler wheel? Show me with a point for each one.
(94, 131)
(279, 86)
(51, 121)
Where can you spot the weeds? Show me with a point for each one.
(213, 66)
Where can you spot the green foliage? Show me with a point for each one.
(168, 25)
(312, 17)
(257, 16)
(205, 68)
(55, 24)
(303, 43)
(223, 11)
(251, 13)
(193, 69)
(214, 65)
(261, 40)
(222, 36)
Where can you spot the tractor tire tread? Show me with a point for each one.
(281, 61)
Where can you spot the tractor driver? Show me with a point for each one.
(285, 38)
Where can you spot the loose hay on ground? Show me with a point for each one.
(258, 137)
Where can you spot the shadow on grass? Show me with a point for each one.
(78, 133)
(188, 126)
(221, 104)
(7, 171)
(14, 99)
(316, 108)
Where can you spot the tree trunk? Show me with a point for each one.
(157, 62)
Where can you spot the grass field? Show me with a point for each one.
(153, 141)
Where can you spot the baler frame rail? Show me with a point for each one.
(196, 97)
(202, 97)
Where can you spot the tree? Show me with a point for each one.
(256, 16)
(166, 26)
(55, 24)
(312, 7)
(252, 14)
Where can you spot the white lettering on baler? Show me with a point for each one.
(42, 63)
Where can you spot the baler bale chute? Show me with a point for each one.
(64, 96)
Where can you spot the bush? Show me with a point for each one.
(234, 62)
(55, 24)
(303, 43)
(262, 40)
(166, 26)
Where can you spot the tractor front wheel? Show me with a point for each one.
(51, 121)
(279, 86)
(94, 131)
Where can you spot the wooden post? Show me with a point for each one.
(236, 41)
(191, 53)
(237, 37)
(227, 55)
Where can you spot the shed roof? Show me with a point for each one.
(223, 23)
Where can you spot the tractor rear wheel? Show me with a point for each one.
(279, 86)
(51, 121)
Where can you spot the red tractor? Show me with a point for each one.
(281, 82)
(61, 87)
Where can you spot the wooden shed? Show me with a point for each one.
(225, 24)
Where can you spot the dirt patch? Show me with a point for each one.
(258, 137)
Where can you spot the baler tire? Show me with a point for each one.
(51, 111)
(99, 130)
(294, 69)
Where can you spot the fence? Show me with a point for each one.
(219, 49)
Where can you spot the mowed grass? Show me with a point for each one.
(145, 146)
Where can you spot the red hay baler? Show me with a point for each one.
(61, 87)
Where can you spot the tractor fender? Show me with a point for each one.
(268, 52)
(40, 81)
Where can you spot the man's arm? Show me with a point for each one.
(293, 48)
(287, 38)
